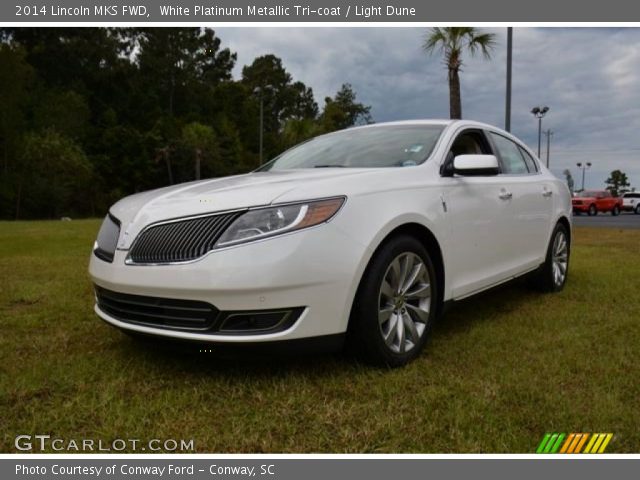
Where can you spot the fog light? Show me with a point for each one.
(261, 321)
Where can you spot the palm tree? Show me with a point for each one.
(452, 42)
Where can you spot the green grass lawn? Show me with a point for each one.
(500, 371)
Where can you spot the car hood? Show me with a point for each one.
(219, 194)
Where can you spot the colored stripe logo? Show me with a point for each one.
(574, 443)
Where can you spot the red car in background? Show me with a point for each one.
(593, 201)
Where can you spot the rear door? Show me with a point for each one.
(530, 205)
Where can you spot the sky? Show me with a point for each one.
(589, 78)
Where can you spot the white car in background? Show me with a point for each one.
(631, 202)
(362, 234)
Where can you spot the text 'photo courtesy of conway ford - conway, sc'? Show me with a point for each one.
(359, 235)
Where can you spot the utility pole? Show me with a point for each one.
(549, 133)
(198, 157)
(507, 108)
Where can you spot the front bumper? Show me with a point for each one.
(580, 207)
(317, 269)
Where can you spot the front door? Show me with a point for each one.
(478, 209)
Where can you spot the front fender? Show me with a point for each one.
(390, 211)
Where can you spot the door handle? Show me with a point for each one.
(504, 195)
(547, 193)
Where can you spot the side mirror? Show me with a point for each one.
(478, 165)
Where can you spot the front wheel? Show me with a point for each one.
(552, 276)
(637, 210)
(396, 304)
(592, 210)
(615, 211)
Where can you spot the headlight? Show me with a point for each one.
(105, 246)
(267, 222)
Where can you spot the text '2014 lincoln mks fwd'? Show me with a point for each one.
(362, 234)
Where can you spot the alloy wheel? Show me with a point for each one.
(404, 302)
(560, 258)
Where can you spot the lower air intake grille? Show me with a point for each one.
(181, 240)
(157, 312)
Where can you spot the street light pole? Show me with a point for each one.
(584, 167)
(260, 92)
(539, 113)
(261, 123)
(539, 134)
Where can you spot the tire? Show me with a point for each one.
(593, 211)
(637, 210)
(615, 211)
(391, 320)
(552, 276)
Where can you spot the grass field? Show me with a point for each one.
(501, 369)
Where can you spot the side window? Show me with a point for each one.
(512, 160)
(468, 142)
(532, 165)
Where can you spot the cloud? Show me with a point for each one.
(589, 77)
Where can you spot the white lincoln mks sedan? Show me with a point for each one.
(360, 235)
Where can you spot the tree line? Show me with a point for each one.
(88, 115)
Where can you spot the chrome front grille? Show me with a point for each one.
(180, 240)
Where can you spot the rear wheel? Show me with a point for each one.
(637, 210)
(553, 274)
(592, 210)
(615, 211)
(396, 304)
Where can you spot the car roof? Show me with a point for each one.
(435, 121)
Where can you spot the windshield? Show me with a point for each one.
(388, 146)
(590, 193)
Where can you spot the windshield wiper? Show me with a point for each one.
(329, 166)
